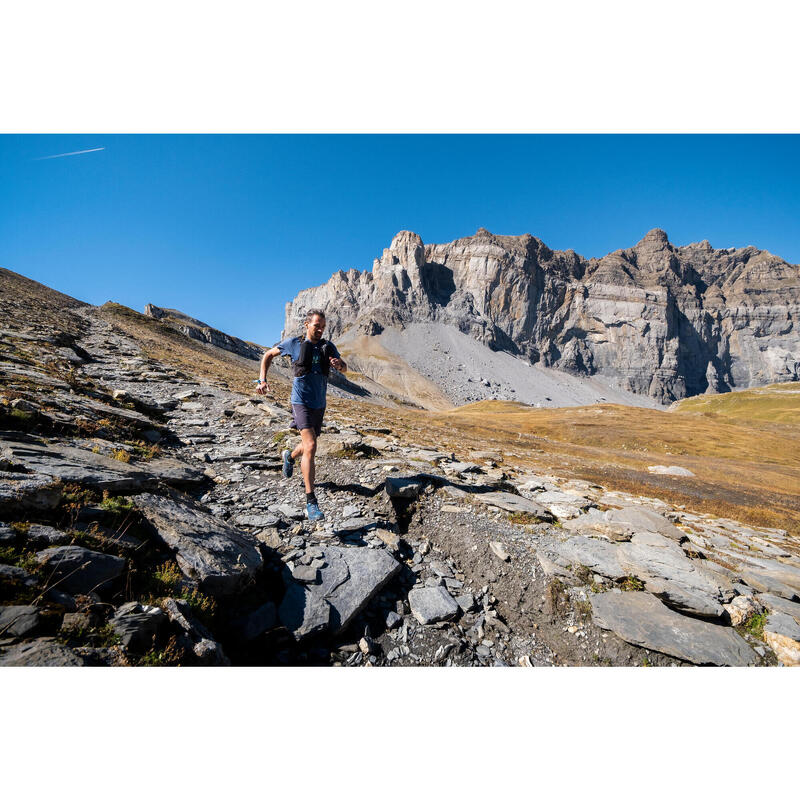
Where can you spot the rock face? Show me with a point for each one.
(656, 319)
(217, 555)
(201, 332)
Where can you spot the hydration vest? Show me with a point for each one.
(305, 361)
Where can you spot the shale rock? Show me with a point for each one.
(78, 570)
(641, 619)
(209, 550)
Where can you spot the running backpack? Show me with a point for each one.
(305, 360)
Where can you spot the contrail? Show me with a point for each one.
(75, 153)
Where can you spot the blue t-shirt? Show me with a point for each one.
(307, 390)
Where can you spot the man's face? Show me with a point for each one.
(315, 328)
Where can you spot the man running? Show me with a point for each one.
(312, 357)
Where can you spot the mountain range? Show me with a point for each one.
(654, 320)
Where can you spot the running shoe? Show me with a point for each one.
(288, 464)
(313, 513)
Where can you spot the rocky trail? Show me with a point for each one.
(145, 520)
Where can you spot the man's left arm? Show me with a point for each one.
(337, 362)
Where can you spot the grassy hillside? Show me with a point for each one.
(779, 402)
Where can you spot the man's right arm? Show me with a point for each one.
(266, 360)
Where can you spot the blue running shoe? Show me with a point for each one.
(288, 464)
(313, 513)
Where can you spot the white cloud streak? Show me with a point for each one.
(75, 153)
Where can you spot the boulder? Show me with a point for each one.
(643, 620)
(221, 558)
(741, 608)
(18, 621)
(77, 570)
(369, 571)
(660, 469)
(44, 652)
(432, 604)
(45, 536)
(348, 580)
(405, 488)
(193, 634)
(137, 625)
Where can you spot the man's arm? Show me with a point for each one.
(266, 360)
(338, 363)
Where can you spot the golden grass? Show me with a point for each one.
(745, 470)
(779, 402)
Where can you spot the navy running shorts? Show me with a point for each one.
(308, 418)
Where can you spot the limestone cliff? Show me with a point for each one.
(657, 319)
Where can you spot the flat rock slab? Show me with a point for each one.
(28, 492)
(354, 524)
(594, 554)
(288, 511)
(369, 571)
(514, 504)
(673, 577)
(643, 620)
(70, 464)
(304, 612)
(779, 580)
(597, 524)
(644, 519)
(78, 570)
(349, 579)
(782, 634)
(781, 604)
(18, 621)
(209, 550)
(258, 520)
(40, 653)
(432, 604)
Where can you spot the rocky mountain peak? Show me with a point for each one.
(406, 251)
(654, 319)
(656, 236)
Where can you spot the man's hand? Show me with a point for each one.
(337, 363)
(263, 387)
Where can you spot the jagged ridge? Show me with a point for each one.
(657, 319)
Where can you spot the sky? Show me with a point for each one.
(228, 228)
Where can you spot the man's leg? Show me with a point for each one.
(308, 447)
(298, 451)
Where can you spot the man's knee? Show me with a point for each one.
(310, 447)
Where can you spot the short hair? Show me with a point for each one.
(314, 312)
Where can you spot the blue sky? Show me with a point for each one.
(228, 228)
